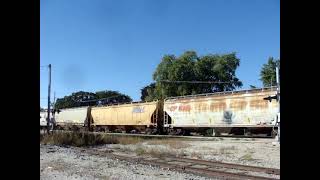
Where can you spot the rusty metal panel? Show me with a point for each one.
(233, 109)
(126, 114)
(71, 116)
(43, 118)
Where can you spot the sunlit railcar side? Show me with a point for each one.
(140, 117)
(232, 112)
(71, 118)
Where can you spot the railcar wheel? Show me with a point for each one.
(172, 132)
(155, 131)
(185, 132)
(247, 132)
(148, 131)
(216, 132)
(273, 133)
(208, 133)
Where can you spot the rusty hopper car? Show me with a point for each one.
(71, 118)
(237, 112)
(139, 117)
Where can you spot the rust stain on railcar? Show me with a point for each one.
(173, 108)
(238, 104)
(247, 108)
(218, 106)
(259, 103)
(201, 106)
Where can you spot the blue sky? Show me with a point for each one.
(116, 44)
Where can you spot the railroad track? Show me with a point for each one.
(211, 169)
(172, 136)
(191, 137)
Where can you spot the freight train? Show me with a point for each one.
(244, 112)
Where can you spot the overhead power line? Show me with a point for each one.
(94, 100)
(197, 82)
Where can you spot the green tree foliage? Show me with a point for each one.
(268, 72)
(252, 87)
(147, 92)
(190, 67)
(110, 97)
(82, 98)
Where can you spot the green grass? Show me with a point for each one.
(247, 157)
(140, 151)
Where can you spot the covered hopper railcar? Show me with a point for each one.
(237, 112)
(131, 117)
(72, 118)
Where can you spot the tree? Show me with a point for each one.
(110, 97)
(82, 98)
(190, 67)
(268, 72)
(147, 92)
(252, 87)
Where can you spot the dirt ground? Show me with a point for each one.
(247, 151)
(68, 163)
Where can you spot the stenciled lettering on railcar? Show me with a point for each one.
(138, 110)
(184, 108)
(172, 108)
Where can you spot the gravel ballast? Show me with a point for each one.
(70, 163)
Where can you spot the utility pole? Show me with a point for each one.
(54, 98)
(278, 97)
(49, 91)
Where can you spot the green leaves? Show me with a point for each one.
(190, 67)
(252, 87)
(82, 98)
(147, 92)
(268, 72)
